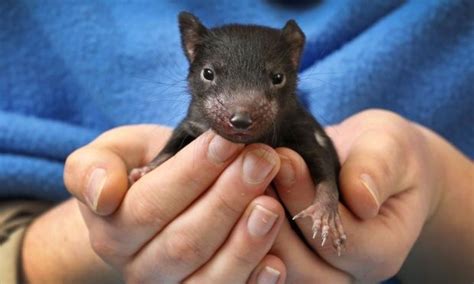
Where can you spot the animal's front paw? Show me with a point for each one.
(325, 216)
(137, 173)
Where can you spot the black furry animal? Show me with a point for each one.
(242, 80)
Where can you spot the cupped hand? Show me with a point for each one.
(389, 185)
(199, 216)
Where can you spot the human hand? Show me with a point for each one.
(390, 182)
(200, 215)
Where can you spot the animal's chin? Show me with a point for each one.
(238, 136)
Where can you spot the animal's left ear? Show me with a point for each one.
(294, 36)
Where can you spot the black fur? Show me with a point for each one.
(243, 58)
(244, 61)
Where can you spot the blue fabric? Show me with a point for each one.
(72, 69)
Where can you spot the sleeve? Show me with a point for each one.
(15, 216)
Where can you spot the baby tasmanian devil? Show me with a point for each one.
(242, 80)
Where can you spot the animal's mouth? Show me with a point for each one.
(237, 136)
(242, 118)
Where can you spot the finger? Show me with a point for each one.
(248, 243)
(194, 236)
(377, 167)
(96, 174)
(293, 182)
(158, 197)
(270, 270)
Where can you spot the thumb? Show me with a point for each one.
(97, 174)
(376, 168)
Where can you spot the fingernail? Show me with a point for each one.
(221, 149)
(287, 174)
(257, 165)
(369, 184)
(268, 275)
(94, 187)
(260, 221)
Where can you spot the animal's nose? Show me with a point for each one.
(241, 120)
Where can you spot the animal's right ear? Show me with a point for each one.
(294, 36)
(192, 32)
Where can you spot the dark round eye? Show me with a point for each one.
(278, 78)
(207, 74)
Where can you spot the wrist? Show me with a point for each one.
(449, 175)
(432, 175)
(444, 248)
(56, 249)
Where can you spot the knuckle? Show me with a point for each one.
(390, 123)
(146, 212)
(109, 241)
(388, 264)
(180, 248)
(191, 180)
(226, 207)
(245, 257)
(104, 247)
(390, 269)
(135, 274)
(393, 149)
(391, 142)
(384, 168)
(383, 116)
(133, 277)
(72, 166)
(112, 134)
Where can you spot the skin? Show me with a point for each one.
(422, 188)
(195, 231)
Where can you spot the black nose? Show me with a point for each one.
(241, 120)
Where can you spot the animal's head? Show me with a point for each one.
(241, 77)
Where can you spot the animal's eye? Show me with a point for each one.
(207, 74)
(277, 79)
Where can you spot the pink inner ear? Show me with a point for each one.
(295, 54)
(191, 32)
(295, 38)
(190, 50)
(191, 40)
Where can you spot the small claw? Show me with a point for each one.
(339, 245)
(343, 239)
(137, 174)
(324, 241)
(316, 225)
(324, 234)
(310, 211)
(315, 228)
(324, 237)
(299, 215)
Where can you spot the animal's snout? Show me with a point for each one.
(241, 120)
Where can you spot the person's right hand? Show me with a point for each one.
(200, 215)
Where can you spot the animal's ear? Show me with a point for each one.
(192, 32)
(294, 36)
